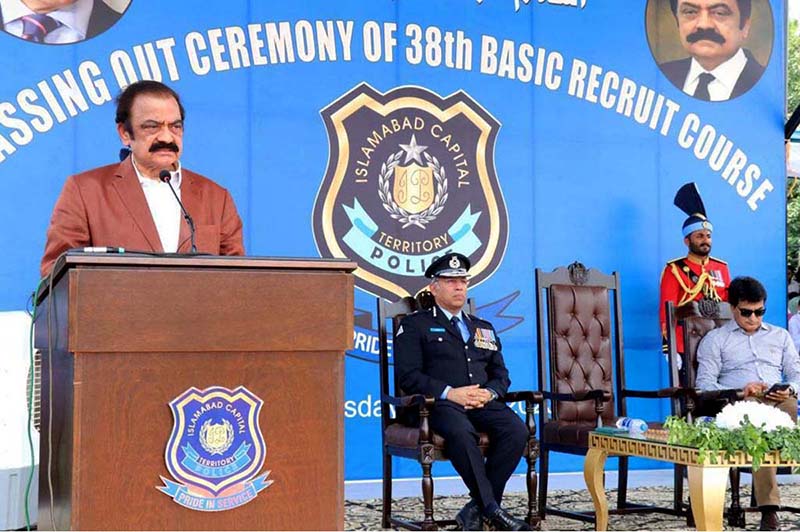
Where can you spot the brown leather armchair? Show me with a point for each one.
(581, 372)
(406, 433)
(695, 319)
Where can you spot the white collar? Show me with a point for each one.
(149, 181)
(449, 315)
(727, 73)
(75, 16)
(733, 326)
(13, 10)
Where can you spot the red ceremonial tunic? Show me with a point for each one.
(684, 281)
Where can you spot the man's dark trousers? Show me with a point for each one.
(508, 437)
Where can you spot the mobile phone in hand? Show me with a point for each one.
(777, 387)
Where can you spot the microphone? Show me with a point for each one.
(102, 249)
(166, 177)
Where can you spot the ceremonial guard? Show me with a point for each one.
(698, 275)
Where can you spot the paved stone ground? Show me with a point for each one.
(366, 514)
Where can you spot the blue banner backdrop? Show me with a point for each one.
(527, 133)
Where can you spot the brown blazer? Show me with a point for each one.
(106, 207)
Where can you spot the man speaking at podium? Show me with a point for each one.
(134, 204)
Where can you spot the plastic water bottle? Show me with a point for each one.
(632, 425)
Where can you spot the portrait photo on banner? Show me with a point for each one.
(59, 21)
(712, 50)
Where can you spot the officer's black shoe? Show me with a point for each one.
(502, 520)
(469, 518)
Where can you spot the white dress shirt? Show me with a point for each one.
(163, 207)
(728, 357)
(725, 77)
(74, 20)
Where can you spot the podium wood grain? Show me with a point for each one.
(129, 338)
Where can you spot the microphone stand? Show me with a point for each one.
(166, 177)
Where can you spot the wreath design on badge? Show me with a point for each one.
(216, 438)
(398, 213)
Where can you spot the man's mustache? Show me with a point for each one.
(164, 146)
(705, 34)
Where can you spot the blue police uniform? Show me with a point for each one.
(430, 355)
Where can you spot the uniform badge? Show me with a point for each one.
(484, 339)
(410, 177)
(716, 275)
(216, 449)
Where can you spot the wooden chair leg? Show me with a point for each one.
(427, 497)
(622, 483)
(689, 513)
(735, 512)
(543, 470)
(386, 513)
(530, 481)
(677, 492)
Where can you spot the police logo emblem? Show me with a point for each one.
(410, 177)
(216, 439)
(216, 449)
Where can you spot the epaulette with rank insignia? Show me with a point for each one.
(717, 260)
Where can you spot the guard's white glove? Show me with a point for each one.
(680, 360)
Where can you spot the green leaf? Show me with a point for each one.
(710, 440)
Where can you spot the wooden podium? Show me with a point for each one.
(130, 333)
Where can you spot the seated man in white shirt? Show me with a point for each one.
(712, 32)
(56, 21)
(759, 358)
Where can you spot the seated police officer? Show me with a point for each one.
(456, 358)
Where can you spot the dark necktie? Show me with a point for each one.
(36, 26)
(455, 322)
(701, 92)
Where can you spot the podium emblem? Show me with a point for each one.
(216, 449)
(410, 177)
